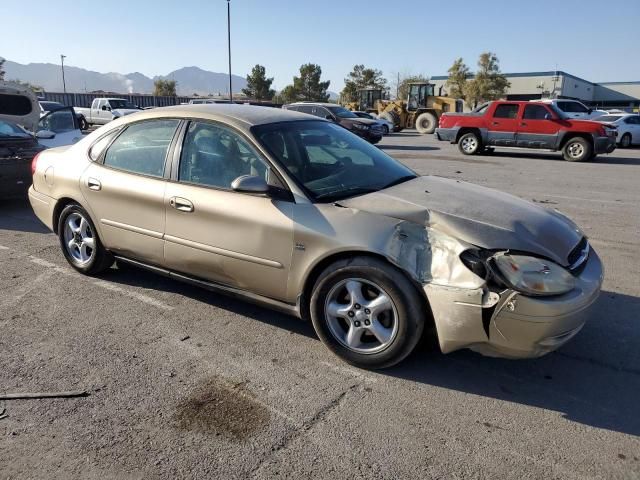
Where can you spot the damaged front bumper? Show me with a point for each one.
(510, 324)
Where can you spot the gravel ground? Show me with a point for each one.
(184, 383)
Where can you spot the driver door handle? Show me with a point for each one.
(94, 184)
(181, 204)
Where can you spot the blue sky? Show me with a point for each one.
(592, 39)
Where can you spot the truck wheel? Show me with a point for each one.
(84, 125)
(577, 149)
(469, 144)
(625, 141)
(367, 312)
(426, 123)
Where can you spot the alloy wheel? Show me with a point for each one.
(79, 239)
(361, 315)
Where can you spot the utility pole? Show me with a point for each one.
(229, 43)
(398, 86)
(64, 84)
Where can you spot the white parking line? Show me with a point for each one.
(2, 247)
(104, 284)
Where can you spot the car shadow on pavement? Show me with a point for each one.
(16, 214)
(422, 148)
(593, 380)
(612, 159)
(136, 277)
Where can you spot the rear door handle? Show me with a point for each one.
(94, 184)
(181, 204)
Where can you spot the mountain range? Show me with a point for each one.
(189, 80)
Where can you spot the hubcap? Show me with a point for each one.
(361, 315)
(79, 239)
(469, 144)
(576, 150)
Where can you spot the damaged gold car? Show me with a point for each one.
(298, 214)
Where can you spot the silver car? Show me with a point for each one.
(296, 213)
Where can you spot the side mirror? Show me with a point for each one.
(45, 135)
(590, 111)
(329, 117)
(250, 184)
(104, 107)
(547, 116)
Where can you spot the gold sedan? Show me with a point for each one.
(298, 214)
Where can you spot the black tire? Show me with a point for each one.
(99, 259)
(470, 144)
(385, 130)
(426, 123)
(407, 314)
(625, 141)
(84, 125)
(577, 149)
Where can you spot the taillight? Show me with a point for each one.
(34, 163)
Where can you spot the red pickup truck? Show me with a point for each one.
(528, 125)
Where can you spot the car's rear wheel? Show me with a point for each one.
(80, 243)
(625, 141)
(426, 123)
(577, 149)
(469, 144)
(385, 129)
(367, 312)
(84, 125)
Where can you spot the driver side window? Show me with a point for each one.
(215, 156)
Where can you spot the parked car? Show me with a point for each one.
(363, 127)
(574, 108)
(386, 125)
(627, 125)
(19, 119)
(47, 106)
(104, 110)
(537, 125)
(297, 213)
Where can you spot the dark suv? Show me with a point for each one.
(370, 130)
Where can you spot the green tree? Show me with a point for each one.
(403, 88)
(361, 77)
(287, 95)
(457, 81)
(258, 85)
(488, 84)
(308, 86)
(164, 88)
(2, 72)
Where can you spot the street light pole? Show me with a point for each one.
(229, 43)
(64, 84)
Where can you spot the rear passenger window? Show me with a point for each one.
(142, 147)
(98, 147)
(506, 111)
(535, 112)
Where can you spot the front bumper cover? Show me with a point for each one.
(514, 326)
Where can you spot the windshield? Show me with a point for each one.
(8, 129)
(342, 112)
(328, 161)
(609, 118)
(49, 106)
(572, 107)
(115, 104)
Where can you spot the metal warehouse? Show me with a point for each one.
(559, 84)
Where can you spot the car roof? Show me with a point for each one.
(324, 104)
(241, 116)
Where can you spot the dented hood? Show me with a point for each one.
(477, 215)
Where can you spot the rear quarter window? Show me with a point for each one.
(15, 104)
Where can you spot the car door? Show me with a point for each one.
(633, 126)
(538, 128)
(63, 124)
(124, 188)
(503, 125)
(212, 232)
(104, 112)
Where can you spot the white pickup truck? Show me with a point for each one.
(103, 110)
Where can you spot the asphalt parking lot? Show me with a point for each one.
(184, 383)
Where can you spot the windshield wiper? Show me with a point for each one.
(346, 193)
(398, 181)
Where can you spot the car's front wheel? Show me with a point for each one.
(80, 243)
(385, 129)
(367, 312)
(577, 149)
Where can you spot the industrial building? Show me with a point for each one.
(559, 84)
